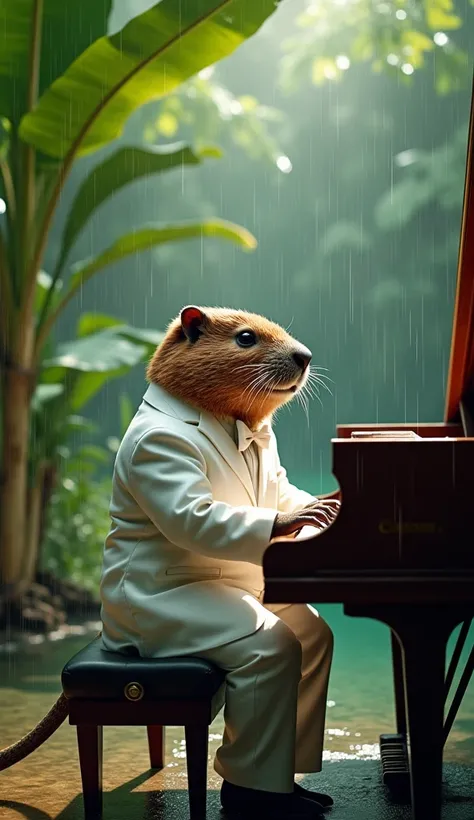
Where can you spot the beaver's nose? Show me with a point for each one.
(302, 357)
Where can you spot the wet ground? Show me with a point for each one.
(46, 785)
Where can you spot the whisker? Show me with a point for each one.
(313, 373)
(258, 385)
(315, 395)
(255, 383)
(312, 389)
(304, 404)
(260, 365)
(321, 384)
(312, 379)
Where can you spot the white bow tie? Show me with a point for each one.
(246, 436)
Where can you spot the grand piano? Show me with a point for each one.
(401, 549)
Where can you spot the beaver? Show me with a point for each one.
(238, 365)
(235, 365)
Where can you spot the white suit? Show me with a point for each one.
(182, 575)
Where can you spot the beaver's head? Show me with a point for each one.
(230, 362)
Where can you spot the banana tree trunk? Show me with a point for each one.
(14, 471)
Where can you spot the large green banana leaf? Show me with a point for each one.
(155, 52)
(141, 240)
(84, 365)
(124, 166)
(68, 28)
(152, 235)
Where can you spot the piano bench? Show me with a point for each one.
(113, 689)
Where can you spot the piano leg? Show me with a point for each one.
(424, 655)
(423, 632)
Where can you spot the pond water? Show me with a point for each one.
(360, 701)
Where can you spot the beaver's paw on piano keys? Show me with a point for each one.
(318, 514)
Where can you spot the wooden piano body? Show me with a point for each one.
(402, 547)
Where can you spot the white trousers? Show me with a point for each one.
(275, 700)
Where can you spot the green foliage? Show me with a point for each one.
(78, 517)
(152, 236)
(208, 111)
(435, 176)
(344, 235)
(393, 36)
(88, 105)
(105, 349)
(65, 35)
(124, 166)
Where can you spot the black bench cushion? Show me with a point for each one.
(93, 673)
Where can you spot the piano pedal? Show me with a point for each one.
(395, 768)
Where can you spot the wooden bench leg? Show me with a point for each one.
(197, 743)
(156, 745)
(89, 741)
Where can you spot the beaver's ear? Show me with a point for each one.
(192, 322)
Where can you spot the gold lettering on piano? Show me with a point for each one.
(387, 527)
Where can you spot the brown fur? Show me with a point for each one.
(215, 374)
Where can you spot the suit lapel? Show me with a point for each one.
(210, 427)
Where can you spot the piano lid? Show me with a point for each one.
(461, 367)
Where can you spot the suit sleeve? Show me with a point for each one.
(290, 498)
(167, 477)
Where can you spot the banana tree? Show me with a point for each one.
(66, 89)
(104, 349)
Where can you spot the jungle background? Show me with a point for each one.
(337, 137)
(349, 171)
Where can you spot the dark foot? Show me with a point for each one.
(238, 801)
(323, 800)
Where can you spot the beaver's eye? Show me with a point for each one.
(246, 338)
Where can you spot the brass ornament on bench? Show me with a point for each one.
(134, 691)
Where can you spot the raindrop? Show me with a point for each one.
(407, 68)
(3, 206)
(440, 38)
(400, 14)
(393, 59)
